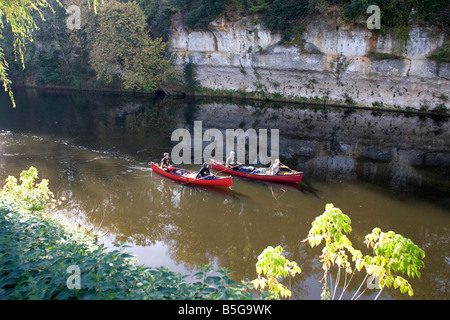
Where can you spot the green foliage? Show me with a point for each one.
(28, 194)
(442, 54)
(433, 11)
(273, 265)
(281, 15)
(123, 49)
(392, 253)
(331, 227)
(357, 9)
(204, 13)
(190, 81)
(19, 17)
(158, 14)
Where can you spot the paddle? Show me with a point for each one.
(196, 179)
(285, 166)
(227, 168)
(282, 165)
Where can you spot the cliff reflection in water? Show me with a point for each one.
(397, 150)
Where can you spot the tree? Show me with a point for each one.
(392, 254)
(273, 265)
(19, 16)
(204, 13)
(28, 194)
(122, 48)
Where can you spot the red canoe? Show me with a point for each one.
(187, 176)
(281, 177)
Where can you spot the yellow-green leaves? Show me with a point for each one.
(331, 226)
(28, 194)
(392, 253)
(19, 17)
(273, 265)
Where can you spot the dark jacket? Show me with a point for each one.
(165, 162)
(204, 172)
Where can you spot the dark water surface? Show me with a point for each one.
(384, 170)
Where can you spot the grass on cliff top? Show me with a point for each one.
(441, 54)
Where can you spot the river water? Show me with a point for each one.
(387, 170)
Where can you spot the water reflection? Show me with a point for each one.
(95, 152)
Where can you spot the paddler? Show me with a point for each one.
(204, 172)
(166, 164)
(231, 161)
(276, 166)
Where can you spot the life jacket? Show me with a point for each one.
(165, 162)
(204, 172)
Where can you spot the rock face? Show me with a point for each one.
(331, 62)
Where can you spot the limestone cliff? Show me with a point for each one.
(331, 62)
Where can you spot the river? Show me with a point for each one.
(387, 170)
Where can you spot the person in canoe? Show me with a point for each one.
(204, 173)
(166, 164)
(232, 161)
(275, 167)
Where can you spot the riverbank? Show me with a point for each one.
(438, 111)
(181, 92)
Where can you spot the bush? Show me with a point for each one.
(205, 12)
(190, 81)
(357, 9)
(28, 194)
(442, 54)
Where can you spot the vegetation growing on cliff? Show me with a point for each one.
(442, 54)
(33, 33)
(283, 15)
